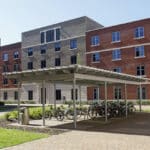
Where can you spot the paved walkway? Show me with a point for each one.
(85, 140)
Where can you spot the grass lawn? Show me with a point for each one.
(11, 137)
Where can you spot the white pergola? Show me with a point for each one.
(76, 75)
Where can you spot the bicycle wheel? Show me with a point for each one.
(60, 116)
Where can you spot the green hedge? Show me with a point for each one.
(22, 102)
(2, 103)
(144, 102)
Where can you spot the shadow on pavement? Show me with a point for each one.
(138, 124)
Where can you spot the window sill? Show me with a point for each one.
(16, 58)
(116, 59)
(137, 38)
(30, 56)
(73, 49)
(139, 57)
(5, 60)
(94, 62)
(95, 45)
(142, 76)
(113, 42)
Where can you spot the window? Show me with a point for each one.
(58, 94)
(115, 36)
(95, 40)
(139, 32)
(42, 37)
(139, 51)
(16, 67)
(43, 63)
(30, 95)
(16, 55)
(57, 34)
(117, 93)
(15, 95)
(57, 46)
(15, 81)
(73, 59)
(117, 69)
(5, 57)
(96, 57)
(30, 65)
(5, 96)
(73, 43)
(143, 91)
(5, 81)
(140, 70)
(57, 61)
(30, 51)
(43, 50)
(96, 93)
(50, 35)
(76, 94)
(5, 68)
(116, 54)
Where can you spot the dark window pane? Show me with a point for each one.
(42, 37)
(30, 65)
(57, 34)
(58, 94)
(50, 36)
(76, 94)
(73, 44)
(30, 51)
(30, 95)
(43, 63)
(73, 59)
(57, 61)
(15, 95)
(57, 46)
(5, 96)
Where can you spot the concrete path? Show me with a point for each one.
(85, 140)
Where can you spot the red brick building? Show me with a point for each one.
(121, 48)
(10, 60)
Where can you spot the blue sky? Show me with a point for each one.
(17, 16)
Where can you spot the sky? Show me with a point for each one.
(17, 16)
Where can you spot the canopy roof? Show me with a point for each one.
(82, 74)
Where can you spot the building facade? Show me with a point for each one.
(123, 48)
(56, 45)
(10, 60)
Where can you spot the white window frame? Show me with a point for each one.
(141, 50)
(95, 57)
(95, 40)
(115, 36)
(5, 57)
(139, 32)
(115, 53)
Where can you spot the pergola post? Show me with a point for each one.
(125, 96)
(74, 103)
(19, 97)
(98, 94)
(43, 102)
(80, 95)
(106, 102)
(54, 96)
(140, 102)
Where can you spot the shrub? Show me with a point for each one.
(22, 102)
(11, 115)
(144, 102)
(2, 103)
